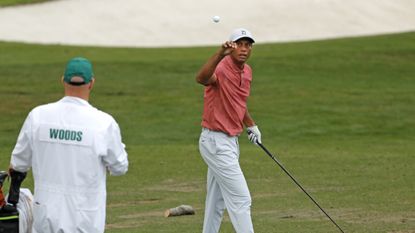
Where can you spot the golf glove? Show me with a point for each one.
(253, 134)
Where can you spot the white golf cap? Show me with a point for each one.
(241, 33)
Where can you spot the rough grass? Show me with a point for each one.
(338, 113)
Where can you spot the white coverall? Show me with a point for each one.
(69, 145)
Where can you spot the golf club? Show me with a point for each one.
(296, 182)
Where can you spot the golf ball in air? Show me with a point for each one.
(216, 19)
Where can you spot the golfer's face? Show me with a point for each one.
(242, 51)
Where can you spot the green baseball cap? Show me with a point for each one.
(79, 67)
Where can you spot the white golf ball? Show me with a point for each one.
(216, 19)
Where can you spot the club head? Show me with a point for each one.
(3, 176)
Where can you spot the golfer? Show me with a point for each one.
(227, 80)
(70, 145)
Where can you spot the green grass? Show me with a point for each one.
(338, 113)
(19, 2)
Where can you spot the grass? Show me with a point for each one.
(338, 113)
(19, 2)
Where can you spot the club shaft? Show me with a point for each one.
(298, 184)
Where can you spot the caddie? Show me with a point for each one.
(70, 146)
(227, 80)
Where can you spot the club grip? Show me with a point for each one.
(16, 181)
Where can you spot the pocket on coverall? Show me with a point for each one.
(39, 217)
(89, 214)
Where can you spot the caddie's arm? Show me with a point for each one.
(21, 159)
(116, 158)
(206, 75)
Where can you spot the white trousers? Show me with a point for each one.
(226, 184)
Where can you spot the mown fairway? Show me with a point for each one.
(339, 114)
(19, 2)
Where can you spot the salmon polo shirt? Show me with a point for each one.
(225, 100)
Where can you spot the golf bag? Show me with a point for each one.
(16, 213)
(9, 219)
(9, 216)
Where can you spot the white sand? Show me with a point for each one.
(153, 23)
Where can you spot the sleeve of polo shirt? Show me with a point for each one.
(116, 158)
(21, 159)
